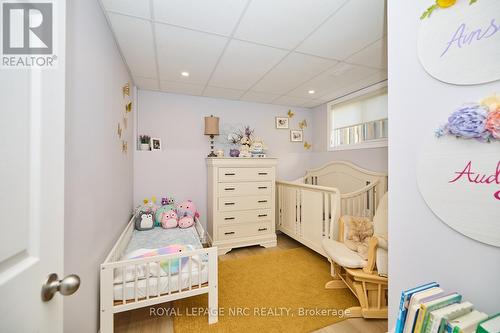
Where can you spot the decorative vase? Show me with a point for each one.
(233, 152)
(144, 146)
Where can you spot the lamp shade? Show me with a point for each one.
(211, 125)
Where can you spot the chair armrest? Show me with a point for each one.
(372, 255)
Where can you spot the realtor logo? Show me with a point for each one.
(27, 28)
(27, 34)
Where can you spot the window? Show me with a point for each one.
(359, 122)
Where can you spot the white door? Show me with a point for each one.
(32, 109)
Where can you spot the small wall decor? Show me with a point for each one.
(282, 122)
(296, 135)
(461, 45)
(155, 144)
(119, 131)
(459, 171)
(125, 123)
(126, 90)
(440, 4)
(124, 146)
(128, 107)
(290, 113)
(144, 141)
(307, 145)
(303, 124)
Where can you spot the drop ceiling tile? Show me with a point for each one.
(135, 38)
(252, 96)
(215, 16)
(243, 64)
(355, 26)
(294, 70)
(374, 55)
(343, 90)
(187, 50)
(283, 23)
(131, 7)
(312, 103)
(223, 92)
(146, 83)
(181, 88)
(339, 76)
(291, 101)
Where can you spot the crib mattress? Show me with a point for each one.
(159, 237)
(154, 239)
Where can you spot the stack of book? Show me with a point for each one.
(430, 309)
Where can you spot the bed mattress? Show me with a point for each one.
(154, 239)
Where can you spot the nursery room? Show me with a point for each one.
(223, 166)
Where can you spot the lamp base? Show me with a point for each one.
(212, 154)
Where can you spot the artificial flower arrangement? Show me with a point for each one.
(249, 145)
(441, 4)
(480, 121)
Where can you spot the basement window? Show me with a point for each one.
(358, 122)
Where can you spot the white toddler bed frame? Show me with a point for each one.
(153, 295)
(310, 207)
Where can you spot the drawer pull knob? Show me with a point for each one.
(229, 233)
(262, 229)
(228, 218)
(228, 203)
(262, 215)
(262, 187)
(230, 174)
(262, 201)
(262, 173)
(229, 189)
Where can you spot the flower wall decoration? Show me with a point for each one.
(480, 121)
(441, 4)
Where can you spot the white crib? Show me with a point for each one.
(145, 290)
(309, 208)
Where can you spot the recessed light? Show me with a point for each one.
(311, 92)
(185, 74)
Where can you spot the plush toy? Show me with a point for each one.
(159, 214)
(187, 212)
(359, 234)
(169, 219)
(144, 221)
(167, 201)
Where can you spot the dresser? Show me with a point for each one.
(241, 202)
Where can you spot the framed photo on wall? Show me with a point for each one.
(282, 122)
(155, 144)
(296, 135)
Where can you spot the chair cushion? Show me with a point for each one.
(342, 255)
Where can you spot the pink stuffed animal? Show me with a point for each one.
(169, 219)
(187, 212)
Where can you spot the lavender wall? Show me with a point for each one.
(98, 175)
(179, 169)
(422, 248)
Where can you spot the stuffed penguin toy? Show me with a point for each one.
(144, 221)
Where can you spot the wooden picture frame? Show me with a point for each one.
(296, 135)
(282, 122)
(155, 144)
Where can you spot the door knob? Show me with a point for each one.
(67, 286)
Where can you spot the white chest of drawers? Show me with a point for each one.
(241, 202)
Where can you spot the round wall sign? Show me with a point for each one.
(461, 44)
(460, 182)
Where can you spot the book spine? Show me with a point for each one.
(420, 320)
(401, 315)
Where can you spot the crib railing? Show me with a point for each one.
(360, 203)
(307, 213)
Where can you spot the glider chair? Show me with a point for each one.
(367, 279)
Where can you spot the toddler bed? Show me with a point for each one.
(136, 274)
(309, 207)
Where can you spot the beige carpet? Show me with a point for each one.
(270, 290)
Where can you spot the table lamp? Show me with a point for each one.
(212, 129)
